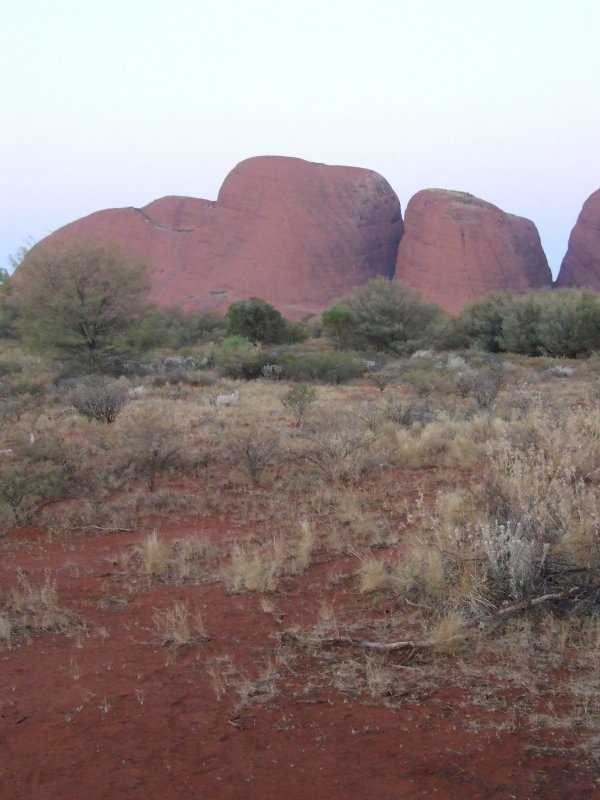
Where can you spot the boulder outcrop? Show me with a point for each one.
(457, 248)
(581, 264)
(295, 233)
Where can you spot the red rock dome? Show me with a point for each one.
(581, 264)
(457, 248)
(295, 233)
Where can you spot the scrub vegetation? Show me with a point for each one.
(291, 528)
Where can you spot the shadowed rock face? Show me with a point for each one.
(581, 264)
(295, 233)
(457, 248)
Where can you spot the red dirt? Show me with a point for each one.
(111, 713)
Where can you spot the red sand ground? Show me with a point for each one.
(112, 713)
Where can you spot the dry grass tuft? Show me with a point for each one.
(304, 546)
(258, 567)
(154, 556)
(373, 576)
(446, 635)
(182, 561)
(177, 626)
(32, 609)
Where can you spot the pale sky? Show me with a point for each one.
(109, 104)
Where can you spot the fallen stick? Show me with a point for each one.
(110, 529)
(532, 602)
(428, 644)
(349, 641)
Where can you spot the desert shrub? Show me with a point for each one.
(271, 372)
(545, 487)
(148, 445)
(530, 527)
(41, 473)
(380, 379)
(563, 323)
(198, 378)
(295, 332)
(298, 399)
(407, 414)
(99, 399)
(482, 323)
(383, 315)
(313, 324)
(254, 452)
(372, 416)
(24, 381)
(7, 518)
(239, 358)
(426, 378)
(483, 389)
(334, 452)
(327, 367)
(175, 328)
(514, 561)
(569, 322)
(9, 366)
(443, 441)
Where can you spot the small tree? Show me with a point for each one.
(78, 298)
(337, 322)
(298, 399)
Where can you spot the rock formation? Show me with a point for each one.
(581, 264)
(457, 248)
(295, 233)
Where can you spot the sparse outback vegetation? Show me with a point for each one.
(436, 536)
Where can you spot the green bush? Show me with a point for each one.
(325, 367)
(562, 323)
(175, 328)
(481, 324)
(551, 322)
(256, 320)
(385, 316)
(238, 358)
(261, 323)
